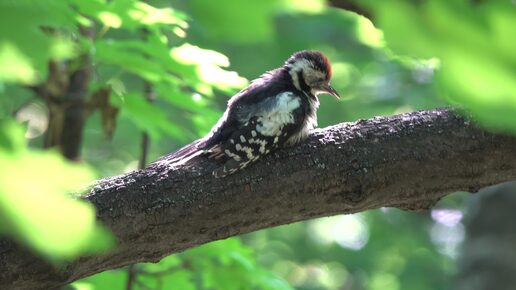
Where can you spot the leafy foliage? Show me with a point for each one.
(226, 264)
(151, 75)
(25, 51)
(28, 207)
(476, 50)
(65, 31)
(136, 39)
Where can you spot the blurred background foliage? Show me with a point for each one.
(113, 84)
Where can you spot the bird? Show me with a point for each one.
(278, 109)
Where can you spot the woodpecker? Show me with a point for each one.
(276, 110)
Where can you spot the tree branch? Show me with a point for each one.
(408, 161)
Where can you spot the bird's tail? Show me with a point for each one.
(184, 154)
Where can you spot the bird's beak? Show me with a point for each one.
(330, 90)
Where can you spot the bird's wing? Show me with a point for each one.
(263, 128)
(256, 121)
(258, 100)
(232, 120)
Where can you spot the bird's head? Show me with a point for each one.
(311, 72)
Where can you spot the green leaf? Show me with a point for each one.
(111, 52)
(229, 264)
(181, 279)
(209, 63)
(131, 15)
(236, 22)
(34, 207)
(157, 63)
(110, 19)
(137, 13)
(112, 280)
(476, 50)
(16, 66)
(148, 116)
(25, 51)
(11, 137)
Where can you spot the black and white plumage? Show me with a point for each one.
(278, 109)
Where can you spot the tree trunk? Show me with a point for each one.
(489, 251)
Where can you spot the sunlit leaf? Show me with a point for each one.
(112, 280)
(81, 286)
(209, 65)
(15, 66)
(34, 207)
(25, 51)
(131, 15)
(149, 15)
(110, 19)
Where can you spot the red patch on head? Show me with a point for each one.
(327, 64)
(316, 58)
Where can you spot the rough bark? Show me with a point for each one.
(408, 161)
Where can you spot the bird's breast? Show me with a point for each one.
(273, 120)
(308, 121)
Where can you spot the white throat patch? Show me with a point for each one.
(299, 66)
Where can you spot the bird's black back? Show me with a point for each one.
(276, 110)
(245, 103)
